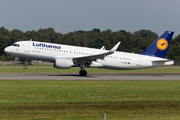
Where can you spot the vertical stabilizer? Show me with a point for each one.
(159, 47)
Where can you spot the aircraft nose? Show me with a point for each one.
(7, 50)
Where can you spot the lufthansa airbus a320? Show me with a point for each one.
(66, 56)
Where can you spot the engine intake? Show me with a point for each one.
(62, 63)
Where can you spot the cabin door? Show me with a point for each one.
(27, 47)
(139, 61)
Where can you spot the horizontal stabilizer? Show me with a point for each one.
(169, 63)
(165, 60)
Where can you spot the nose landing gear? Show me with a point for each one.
(25, 66)
(26, 63)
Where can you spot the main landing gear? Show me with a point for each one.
(82, 72)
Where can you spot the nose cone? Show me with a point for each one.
(7, 50)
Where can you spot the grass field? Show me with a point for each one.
(87, 100)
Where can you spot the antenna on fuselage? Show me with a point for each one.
(30, 39)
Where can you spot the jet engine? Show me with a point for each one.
(62, 63)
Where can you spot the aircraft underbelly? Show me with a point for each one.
(118, 65)
(137, 63)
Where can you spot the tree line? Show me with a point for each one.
(135, 42)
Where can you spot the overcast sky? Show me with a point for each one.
(71, 15)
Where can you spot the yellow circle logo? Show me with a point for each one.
(162, 44)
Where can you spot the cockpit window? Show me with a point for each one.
(16, 45)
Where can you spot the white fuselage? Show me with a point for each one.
(49, 52)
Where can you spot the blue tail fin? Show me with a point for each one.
(159, 47)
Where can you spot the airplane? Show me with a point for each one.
(66, 56)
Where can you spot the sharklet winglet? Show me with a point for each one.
(115, 47)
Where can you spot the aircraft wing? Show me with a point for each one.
(91, 58)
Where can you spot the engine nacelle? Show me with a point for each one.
(62, 63)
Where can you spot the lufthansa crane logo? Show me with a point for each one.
(162, 44)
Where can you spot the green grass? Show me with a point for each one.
(49, 69)
(87, 100)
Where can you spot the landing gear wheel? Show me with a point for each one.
(25, 66)
(82, 72)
